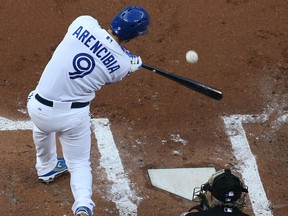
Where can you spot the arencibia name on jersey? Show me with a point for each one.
(100, 51)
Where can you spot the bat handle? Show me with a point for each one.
(148, 67)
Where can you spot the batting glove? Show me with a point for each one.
(136, 63)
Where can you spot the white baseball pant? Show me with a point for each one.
(73, 127)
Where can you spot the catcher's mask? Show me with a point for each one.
(131, 22)
(225, 187)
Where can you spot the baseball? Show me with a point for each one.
(191, 56)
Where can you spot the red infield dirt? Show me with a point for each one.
(243, 51)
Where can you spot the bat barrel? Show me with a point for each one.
(192, 84)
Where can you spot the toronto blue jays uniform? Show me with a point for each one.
(86, 59)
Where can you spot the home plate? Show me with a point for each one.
(180, 181)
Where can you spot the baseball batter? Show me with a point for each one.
(87, 58)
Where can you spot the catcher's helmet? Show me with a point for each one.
(131, 22)
(225, 186)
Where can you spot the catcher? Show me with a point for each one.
(223, 194)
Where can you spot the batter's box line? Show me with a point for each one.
(9, 125)
(249, 169)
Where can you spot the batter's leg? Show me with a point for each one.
(46, 154)
(76, 145)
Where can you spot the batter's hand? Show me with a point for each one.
(136, 63)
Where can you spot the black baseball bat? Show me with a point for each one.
(191, 84)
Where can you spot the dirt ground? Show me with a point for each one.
(243, 51)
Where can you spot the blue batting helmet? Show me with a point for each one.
(131, 22)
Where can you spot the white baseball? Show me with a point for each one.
(191, 56)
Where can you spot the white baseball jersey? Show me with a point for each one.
(86, 59)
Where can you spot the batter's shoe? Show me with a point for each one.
(60, 169)
(83, 211)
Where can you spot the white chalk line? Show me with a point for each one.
(248, 166)
(280, 120)
(9, 125)
(121, 194)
